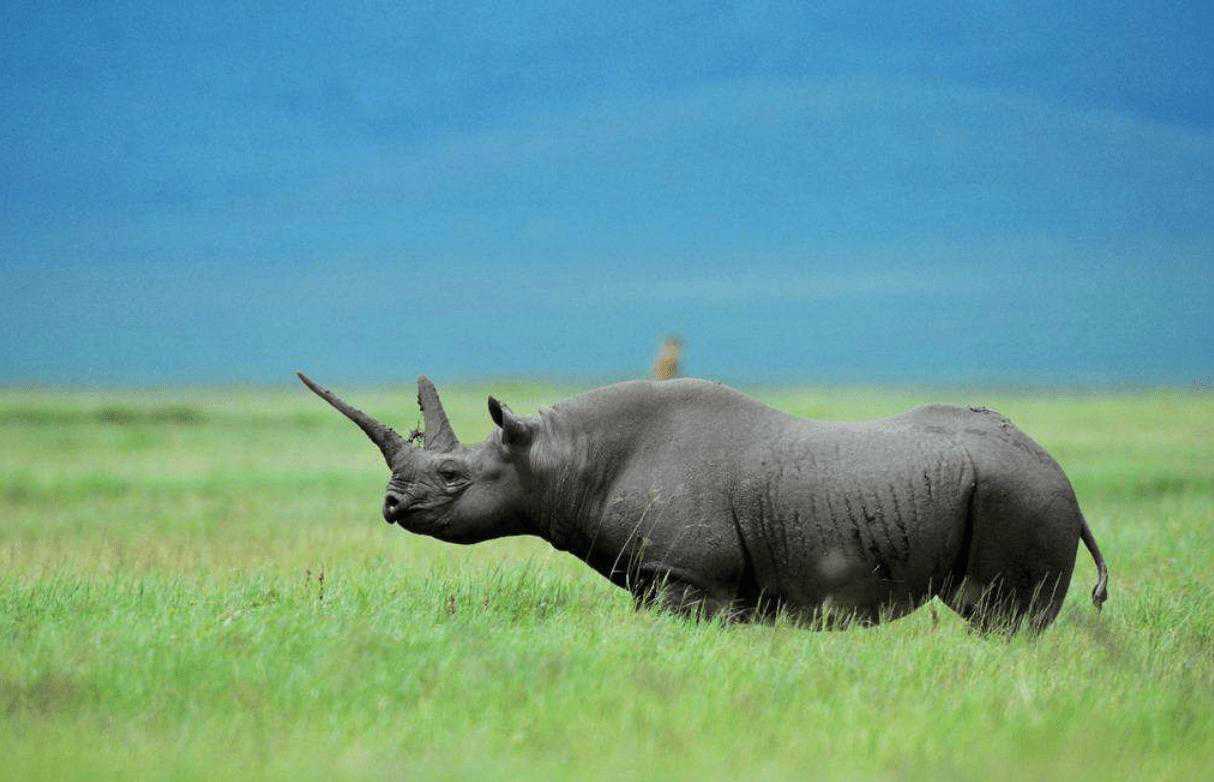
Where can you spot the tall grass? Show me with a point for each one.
(197, 584)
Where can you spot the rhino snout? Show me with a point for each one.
(395, 505)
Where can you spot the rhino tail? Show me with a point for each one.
(1101, 592)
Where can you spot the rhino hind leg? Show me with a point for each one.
(1017, 567)
(1002, 604)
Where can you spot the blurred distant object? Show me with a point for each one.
(666, 365)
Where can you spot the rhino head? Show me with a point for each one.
(445, 489)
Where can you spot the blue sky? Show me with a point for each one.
(946, 193)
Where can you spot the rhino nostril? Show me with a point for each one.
(392, 504)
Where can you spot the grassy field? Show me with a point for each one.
(196, 584)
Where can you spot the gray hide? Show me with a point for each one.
(696, 496)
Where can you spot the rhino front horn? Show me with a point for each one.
(439, 434)
(390, 443)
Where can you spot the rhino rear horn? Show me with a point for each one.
(439, 434)
(390, 443)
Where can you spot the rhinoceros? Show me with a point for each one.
(702, 500)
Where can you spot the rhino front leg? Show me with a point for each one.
(674, 590)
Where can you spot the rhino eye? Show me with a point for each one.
(450, 474)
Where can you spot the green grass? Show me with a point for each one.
(163, 613)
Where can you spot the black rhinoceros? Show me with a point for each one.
(694, 495)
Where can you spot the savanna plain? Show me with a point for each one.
(197, 584)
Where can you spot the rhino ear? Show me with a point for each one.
(516, 432)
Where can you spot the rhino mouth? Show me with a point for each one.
(421, 526)
(418, 517)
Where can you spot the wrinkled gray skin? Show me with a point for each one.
(691, 494)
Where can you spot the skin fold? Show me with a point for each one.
(700, 499)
